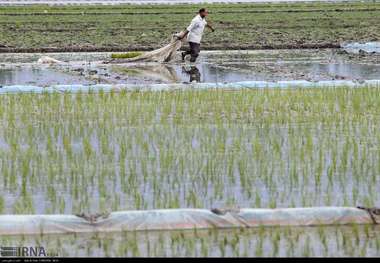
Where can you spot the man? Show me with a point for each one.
(194, 34)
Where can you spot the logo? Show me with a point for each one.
(24, 252)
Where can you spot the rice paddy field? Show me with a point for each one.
(146, 27)
(99, 152)
(88, 152)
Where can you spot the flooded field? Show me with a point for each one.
(212, 67)
(66, 153)
(281, 110)
(131, 150)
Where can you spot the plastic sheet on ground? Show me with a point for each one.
(180, 86)
(182, 219)
(369, 47)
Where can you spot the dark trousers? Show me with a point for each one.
(195, 48)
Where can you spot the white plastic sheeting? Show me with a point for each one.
(164, 87)
(368, 47)
(48, 60)
(182, 219)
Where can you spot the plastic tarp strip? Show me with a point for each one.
(182, 219)
(163, 87)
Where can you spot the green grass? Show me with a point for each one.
(71, 153)
(238, 26)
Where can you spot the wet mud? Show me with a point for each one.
(211, 67)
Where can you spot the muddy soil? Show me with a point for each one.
(152, 46)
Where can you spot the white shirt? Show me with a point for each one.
(196, 29)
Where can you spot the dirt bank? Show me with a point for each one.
(228, 46)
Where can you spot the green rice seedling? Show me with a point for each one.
(24, 205)
(276, 242)
(1, 204)
(307, 250)
(259, 251)
(377, 243)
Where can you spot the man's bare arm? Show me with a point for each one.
(210, 26)
(184, 34)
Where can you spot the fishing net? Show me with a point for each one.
(164, 54)
(181, 219)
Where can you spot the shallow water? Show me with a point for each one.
(211, 67)
(166, 164)
(37, 76)
(132, 154)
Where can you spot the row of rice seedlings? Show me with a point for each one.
(259, 242)
(66, 153)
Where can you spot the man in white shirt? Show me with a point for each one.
(194, 34)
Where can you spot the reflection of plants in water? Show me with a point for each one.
(126, 70)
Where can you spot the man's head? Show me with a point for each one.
(203, 12)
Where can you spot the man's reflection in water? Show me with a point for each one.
(194, 73)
